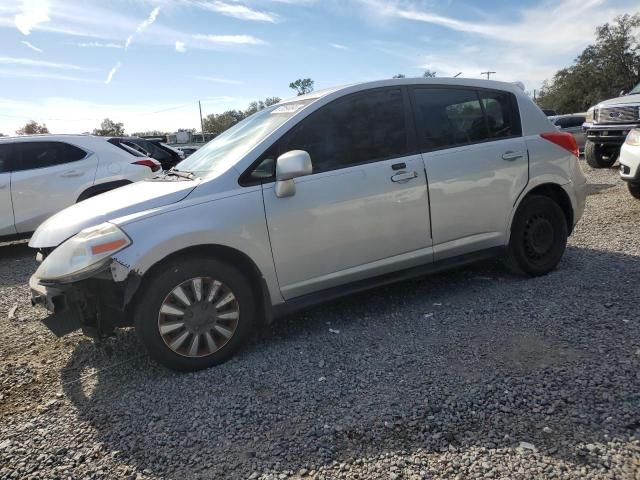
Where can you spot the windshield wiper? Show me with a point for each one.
(181, 173)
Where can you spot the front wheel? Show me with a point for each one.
(194, 314)
(600, 156)
(634, 189)
(538, 237)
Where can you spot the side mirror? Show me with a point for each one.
(290, 165)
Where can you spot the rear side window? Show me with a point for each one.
(31, 155)
(4, 158)
(448, 117)
(503, 119)
(357, 129)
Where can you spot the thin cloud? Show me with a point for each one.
(143, 26)
(237, 10)
(42, 75)
(552, 27)
(98, 45)
(180, 47)
(230, 39)
(339, 46)
(219, 80)
(31, 46)
(112, 73)
(32, 13)
(27, 62)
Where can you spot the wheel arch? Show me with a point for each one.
(557, 194)
(135, 284)
(98, 188)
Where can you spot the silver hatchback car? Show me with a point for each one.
(310, 199)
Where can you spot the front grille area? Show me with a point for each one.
(619, 114)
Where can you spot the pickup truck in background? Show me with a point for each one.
(607, 125)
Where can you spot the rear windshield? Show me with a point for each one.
(229, 147)
(129, 147)
(635, 90)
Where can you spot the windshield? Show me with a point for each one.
(230, 146)
(635, 90)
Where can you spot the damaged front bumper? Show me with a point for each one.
(97, 305)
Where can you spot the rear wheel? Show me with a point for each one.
(194, 314)
(600, 156)
(538, 237)
(634, 189)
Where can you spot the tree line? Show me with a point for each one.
(603, 70)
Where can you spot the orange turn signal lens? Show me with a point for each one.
(107, 247)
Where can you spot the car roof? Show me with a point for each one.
(437, 81)
(46, 136)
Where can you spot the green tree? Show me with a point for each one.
(429, 74)
(601, 71)
(219, 122)
(302, 86)
(32, 128)
(109, 128)
(258, 105)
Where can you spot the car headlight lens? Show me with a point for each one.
(590, 115)
(83, 254)
(633, 137)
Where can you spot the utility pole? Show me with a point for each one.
(201, 122)
(488, 74)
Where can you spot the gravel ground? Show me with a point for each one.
(469, 374)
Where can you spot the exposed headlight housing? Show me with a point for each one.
(633, 137)
(589, 117)
(83, 254)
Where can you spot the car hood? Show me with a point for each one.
(635, 98)
(134, 198)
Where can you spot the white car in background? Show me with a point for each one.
(43, 174)
(630, 162)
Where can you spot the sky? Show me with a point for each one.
(146, 63)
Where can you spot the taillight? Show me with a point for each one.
(564, 140)
(154, 165)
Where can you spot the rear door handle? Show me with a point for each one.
(402, 177)
(510, 156)
(72, 173)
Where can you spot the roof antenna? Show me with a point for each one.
(457, 75)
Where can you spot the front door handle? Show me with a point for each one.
(511, 156)
(402, 177)
(72, 173)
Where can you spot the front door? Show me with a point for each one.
(477, 165)
(364, 211)
(7, 225)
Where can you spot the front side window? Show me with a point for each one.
(448, 117)
(360, 128)
(30, 155)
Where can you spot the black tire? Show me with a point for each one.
(157, 290)
(634, 189)
(538, 237)
(600, 156)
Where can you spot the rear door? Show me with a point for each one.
(47, 177)
(7, 225)
(476, 162)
